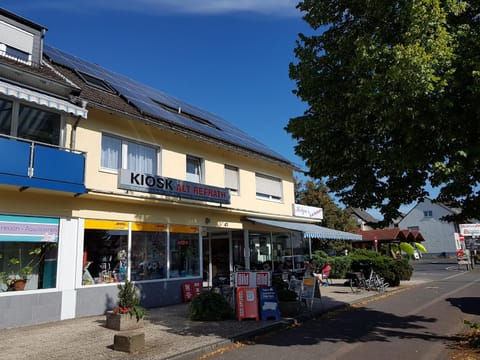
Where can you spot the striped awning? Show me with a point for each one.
(309, 230)
(41, 99)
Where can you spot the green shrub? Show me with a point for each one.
(390, 269)
(340, 266)
(403, 268)
(319, 258)
(210, 306)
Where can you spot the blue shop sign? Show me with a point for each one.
(130, 180)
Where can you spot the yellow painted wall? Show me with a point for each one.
(174, 148)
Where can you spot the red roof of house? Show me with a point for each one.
(391, 234)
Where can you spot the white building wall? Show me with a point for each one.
(438, 235)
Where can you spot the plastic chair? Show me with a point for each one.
(324, 275)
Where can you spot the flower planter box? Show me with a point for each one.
(123, 321)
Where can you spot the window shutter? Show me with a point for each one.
(231, 177)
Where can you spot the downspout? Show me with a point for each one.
(73, 136)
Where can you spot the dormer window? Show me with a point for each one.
(20, 39)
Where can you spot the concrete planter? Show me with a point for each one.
(123, 321)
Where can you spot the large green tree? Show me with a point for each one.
(393, 94)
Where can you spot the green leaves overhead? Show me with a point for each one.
(392, 90)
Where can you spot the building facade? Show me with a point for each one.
(104, 179)
(438, 234)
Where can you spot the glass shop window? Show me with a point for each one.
(184, 251)
(149, 254)
(289, 250)
(105, 255)
(260, 251)
(28, 253)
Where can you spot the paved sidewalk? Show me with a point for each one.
(169, 334)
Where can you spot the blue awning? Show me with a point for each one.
(309, 231)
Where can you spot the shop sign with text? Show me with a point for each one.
(130, 180)
(310, 212)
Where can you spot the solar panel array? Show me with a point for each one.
(147, 100)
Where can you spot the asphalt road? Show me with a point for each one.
(418, 323)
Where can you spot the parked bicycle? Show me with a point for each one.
(359, 281)
(376, 282)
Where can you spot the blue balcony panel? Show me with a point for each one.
(57, 165)
(53, 168)
(14, 157)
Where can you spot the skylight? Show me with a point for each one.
(96, 82)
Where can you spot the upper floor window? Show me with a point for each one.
(17, 43)
(17, 54)
(231, 179)
(30, 123)
(427, 213)
(268, 187)
(194, 169)
(121, 153)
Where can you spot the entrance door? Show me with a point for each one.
(216, 259)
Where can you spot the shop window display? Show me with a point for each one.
(106, 251)
(184, 251)
(149, 259)
(28, 253)
(27, 266)
(105, 256)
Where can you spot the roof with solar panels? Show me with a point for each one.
(111, 90)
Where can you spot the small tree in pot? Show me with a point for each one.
(128, 314)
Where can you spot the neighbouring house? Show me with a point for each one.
(104, 179)
(425, 217)
(362, 218)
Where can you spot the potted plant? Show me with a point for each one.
(17, 272)
(128, 314)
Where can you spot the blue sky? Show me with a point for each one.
(229, 57)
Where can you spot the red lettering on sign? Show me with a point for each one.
(262, 278)
(243, 279)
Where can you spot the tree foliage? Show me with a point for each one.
(393, 91)
(315, 193)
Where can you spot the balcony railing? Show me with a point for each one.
(29, 164)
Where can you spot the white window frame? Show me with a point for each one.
(268, 187)
(124, 142)
(232, 179)
(427, 213)
(199, 175)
